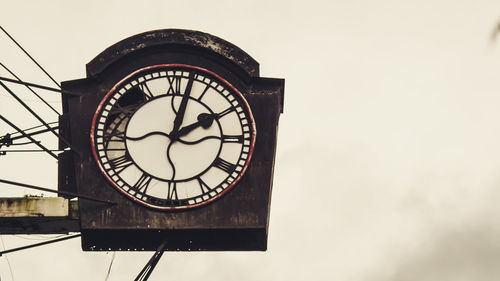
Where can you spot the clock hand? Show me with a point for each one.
(205, 120)
(182, 108)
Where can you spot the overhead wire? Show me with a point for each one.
(3, 95)
(7, 259)
(39, 238)
(20, 47)
(67, 237)
(31, 150)
(110, 265)
(29, 88)
(28, 136)
(29, 85)
(36, 127)
(10, 137)
(28, 108)
(38, 86)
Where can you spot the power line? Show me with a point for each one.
(110, 265)
(39, 244)
(35, 115)
(28, 136)
(40, 238)
(11, 138)
(38, 86)
(2, 95)
(28, 150)
(150, 266)
(44, 101)
(53, 80)
(7, 259)
(36, 127)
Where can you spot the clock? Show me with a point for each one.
(173, 136)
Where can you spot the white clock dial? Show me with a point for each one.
(173, 136)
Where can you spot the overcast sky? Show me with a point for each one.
(388, 163)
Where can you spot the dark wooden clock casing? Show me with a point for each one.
(234, 219)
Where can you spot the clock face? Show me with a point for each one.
(173, 136)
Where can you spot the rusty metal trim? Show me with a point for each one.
(183, 39)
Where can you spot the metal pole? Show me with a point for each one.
(150, 266)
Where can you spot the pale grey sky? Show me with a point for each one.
(388, 157)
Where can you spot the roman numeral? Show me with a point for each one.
(224, 165)
(127, 110)
(120, 163)
(174, 85)
(145, 90)
(172, 191)
(232, 139)
(204, 91)
(226, 112)
(203, 186)
(118, 136)
(142, 183)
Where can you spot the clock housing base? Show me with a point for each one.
(251, 239)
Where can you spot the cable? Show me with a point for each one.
(28, 136)
(39, 237)
(3, 95)
(30, 150)
(13, 40)
(7, 259)
(110, 265)
(39, 244)
(28, 108)
(36, 127)
(32, 91)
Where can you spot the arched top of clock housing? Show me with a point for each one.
(176, 40)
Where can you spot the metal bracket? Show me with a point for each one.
(5, 140)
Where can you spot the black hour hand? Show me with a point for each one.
(205, 120)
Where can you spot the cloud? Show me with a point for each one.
(467, 251)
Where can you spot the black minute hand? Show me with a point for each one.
(182, 108)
